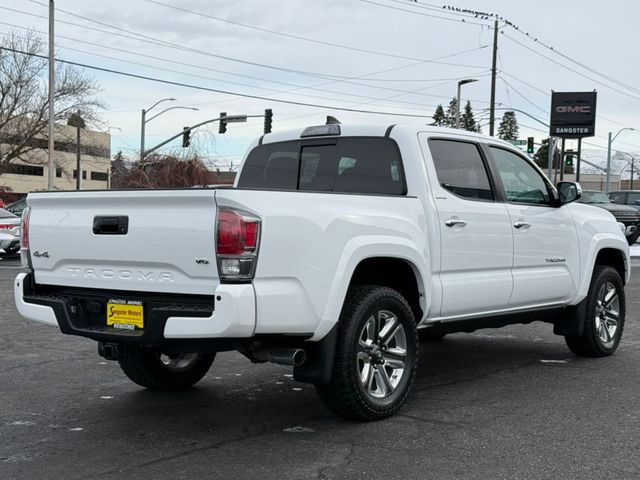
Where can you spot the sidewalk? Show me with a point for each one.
(635, 250)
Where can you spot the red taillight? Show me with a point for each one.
(6, 227)
(251, 235)
(24, 229)
(237, 234)
(237, 244)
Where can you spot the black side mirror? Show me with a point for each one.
(569, 192)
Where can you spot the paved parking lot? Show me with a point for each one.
(503, 404)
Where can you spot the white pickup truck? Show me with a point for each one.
(337, 249)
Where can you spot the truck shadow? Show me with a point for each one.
(264, 397)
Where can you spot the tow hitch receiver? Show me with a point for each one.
(108, 351)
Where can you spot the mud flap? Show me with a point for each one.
(318, 367)
(571, 322)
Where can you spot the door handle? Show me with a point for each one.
(452, 222)
(521, 224)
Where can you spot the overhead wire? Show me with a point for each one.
(462, 21)
(342, 79)
(571, 69)
(205, 77)
(234, 59)
(209, 89)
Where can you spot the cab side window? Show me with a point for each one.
(521, 181)
(461, 169)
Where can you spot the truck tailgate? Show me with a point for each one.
(167, 245)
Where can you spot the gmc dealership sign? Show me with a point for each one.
(573, 114)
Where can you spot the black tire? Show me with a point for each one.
(157, 371)
(592, 342)
(430, 335)
(631, 239)
(347, 394)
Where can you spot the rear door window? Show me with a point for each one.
(461, 169)
(367, 165)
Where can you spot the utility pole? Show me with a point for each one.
(51, 92)
(631, 186)
(492, 106)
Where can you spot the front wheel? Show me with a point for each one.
(604, 315)
(376, 355)
(163, 371)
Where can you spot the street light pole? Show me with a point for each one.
(610, 141)
(460, 83)
(143, 122)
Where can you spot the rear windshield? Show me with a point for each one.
(369, 165)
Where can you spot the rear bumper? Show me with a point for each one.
(6, 243)
(229, 313)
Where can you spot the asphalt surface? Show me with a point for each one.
(497, 404)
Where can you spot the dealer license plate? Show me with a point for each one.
(125, 314)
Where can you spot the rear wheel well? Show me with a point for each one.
(393, 273)
(612, 258)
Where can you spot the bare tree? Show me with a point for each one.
(166, 171)
(24, 104)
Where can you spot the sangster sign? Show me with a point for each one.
(573, 114)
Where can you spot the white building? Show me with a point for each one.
(31, 173)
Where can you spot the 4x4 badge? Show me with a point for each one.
(44, 254)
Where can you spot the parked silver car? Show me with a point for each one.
(9, 232)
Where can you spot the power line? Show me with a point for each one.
(203, 77)
(533, 104)
(482, 15)
(343, 79)
(301, 72)
(534, 39)
(282, 34)
(215, 90)
(463, 21)
(570, 69)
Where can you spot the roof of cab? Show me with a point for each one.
(380, 130)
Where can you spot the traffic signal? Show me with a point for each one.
(568, 160)
(186, 137)
(223, 123)
(268, 120)
(530, 147)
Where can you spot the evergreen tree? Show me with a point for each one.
(541, 158)
(508, 129)
(468, 120)
(450, 116)
(439, 119)
(119, 170)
